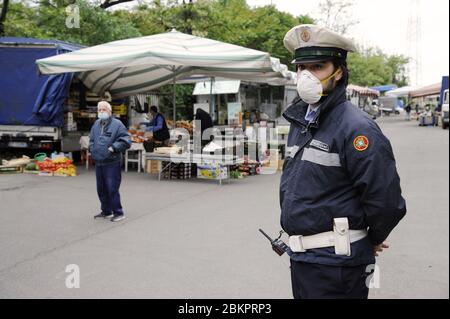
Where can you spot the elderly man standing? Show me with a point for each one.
(108, 140)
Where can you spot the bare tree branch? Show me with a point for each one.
(46, 3)
(335, 15)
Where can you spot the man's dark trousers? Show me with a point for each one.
(108, 184)
(315, 281)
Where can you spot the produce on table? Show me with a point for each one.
(137, 136)
(236, 174)
(71, 171)
(61, 166)
(182, 124)
(32, 167)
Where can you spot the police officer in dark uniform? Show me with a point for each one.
(340, 193)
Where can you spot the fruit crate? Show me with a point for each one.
(11, 170)
(178, 171)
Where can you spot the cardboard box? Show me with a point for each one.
(153, 167)
(119, 109)
(45, 174)
(212, 172)
(280, 165)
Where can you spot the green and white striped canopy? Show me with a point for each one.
(139, 65)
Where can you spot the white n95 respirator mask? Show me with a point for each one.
(310, 88)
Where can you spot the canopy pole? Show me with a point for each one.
(210, 97)
(174, 101)
(211, 107)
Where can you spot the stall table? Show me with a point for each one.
(135, 148)
(84, 144)
(202, 159)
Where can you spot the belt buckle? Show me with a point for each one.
(296, 244)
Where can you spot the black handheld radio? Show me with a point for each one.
(277, 244)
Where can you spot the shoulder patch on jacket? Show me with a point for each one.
(361, 143)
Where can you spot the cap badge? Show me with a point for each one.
(305, 35)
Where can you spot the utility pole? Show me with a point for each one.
(414, 36)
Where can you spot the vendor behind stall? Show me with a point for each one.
(205, 123)
(159, 127)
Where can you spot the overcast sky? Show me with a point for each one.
(384, 24)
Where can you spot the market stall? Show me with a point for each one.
(364, 98)
(424, 101)
(124, 67)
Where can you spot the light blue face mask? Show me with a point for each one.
(103, 116)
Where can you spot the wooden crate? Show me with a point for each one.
(11, 170)
(60, 174)
(41, 173)
(30, 172)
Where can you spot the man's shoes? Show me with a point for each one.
(118, 218)
(103, 215)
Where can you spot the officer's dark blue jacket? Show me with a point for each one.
(113, 134)
(341, 165)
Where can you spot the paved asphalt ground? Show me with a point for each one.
(196, 239)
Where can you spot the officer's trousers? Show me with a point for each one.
(314, 281)
(109, 178)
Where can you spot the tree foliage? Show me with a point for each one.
(232, 21)
(48, 21)
(372, 67)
